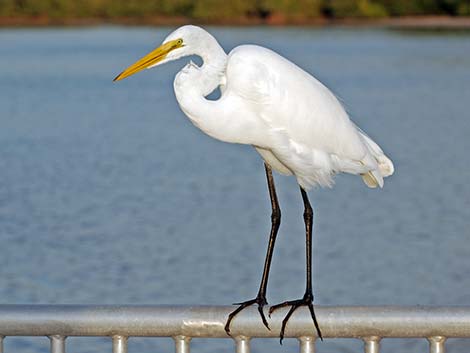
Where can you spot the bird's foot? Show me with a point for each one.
(307, 301)
(260, 300)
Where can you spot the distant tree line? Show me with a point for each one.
(218, 10)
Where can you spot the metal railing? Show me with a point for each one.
(183, 323)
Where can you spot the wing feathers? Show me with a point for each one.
(307, 131)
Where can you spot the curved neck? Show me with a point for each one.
(205, 79)
(212, 73)
(193, 83)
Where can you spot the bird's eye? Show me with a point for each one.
(179, 42)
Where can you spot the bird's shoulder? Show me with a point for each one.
(253, 73)
(253, 58)
(247, 50)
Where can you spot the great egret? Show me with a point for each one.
(294, 122)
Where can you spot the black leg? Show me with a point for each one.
(307, 299)
(275, 222)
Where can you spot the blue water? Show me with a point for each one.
(109, 195)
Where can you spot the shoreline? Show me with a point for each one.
(412, 22)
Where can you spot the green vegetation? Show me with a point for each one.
(231, 10)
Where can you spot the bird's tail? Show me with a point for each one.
(374, 177)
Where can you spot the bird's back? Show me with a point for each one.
(310, 133)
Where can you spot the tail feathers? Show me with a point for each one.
(385, 168)
(373, 179)
(385, 165)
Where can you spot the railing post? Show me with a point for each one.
(119, 344)
(437, 344)
(182, 344)
(242, 344)
(307, 344)
(57, 344)
(371, 344)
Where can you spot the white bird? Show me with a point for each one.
(294, 122)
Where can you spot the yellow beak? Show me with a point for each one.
(151, 58)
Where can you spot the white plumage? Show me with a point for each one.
(296, 124)
(306, 130)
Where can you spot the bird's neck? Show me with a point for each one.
(212, 71)
(202, 80)
(192, 85)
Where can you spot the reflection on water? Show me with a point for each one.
(109, 195)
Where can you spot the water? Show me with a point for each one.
(109, 195)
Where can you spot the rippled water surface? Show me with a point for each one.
(109, 195)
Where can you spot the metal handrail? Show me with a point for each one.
(120, 322)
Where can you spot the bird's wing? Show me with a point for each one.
(293, 103)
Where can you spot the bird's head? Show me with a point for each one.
(182, 42)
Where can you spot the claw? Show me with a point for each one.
(263, 318)
(278, 306)
(295, 304)
(315, 322)
(261, 301)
